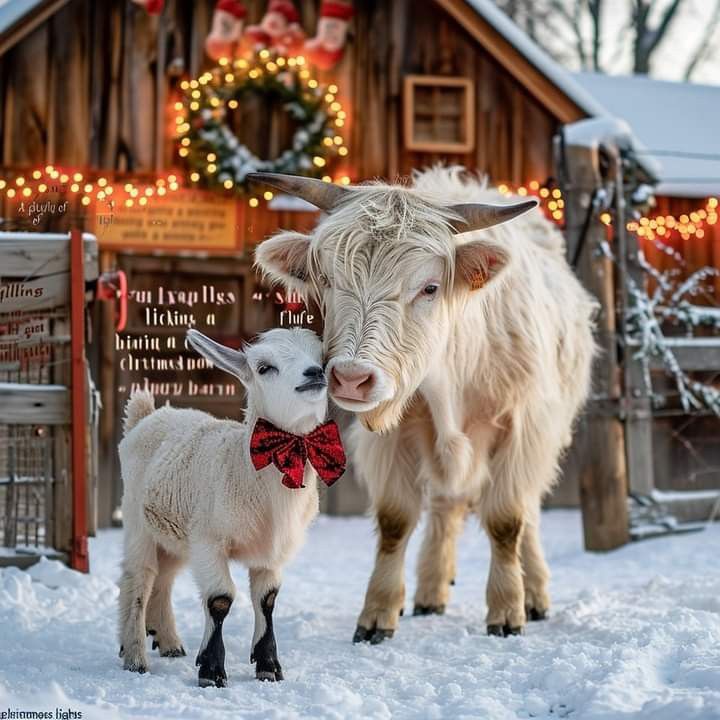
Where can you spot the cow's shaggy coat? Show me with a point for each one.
(467, 358)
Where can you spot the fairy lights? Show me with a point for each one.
(215, 156)
(687, 225)
(37, 182)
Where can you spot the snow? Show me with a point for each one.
(536, 56)
(669, 117)
(633, 634)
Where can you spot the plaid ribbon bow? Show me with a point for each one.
(322, 447)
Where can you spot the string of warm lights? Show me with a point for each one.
(51, 179)
(687, 225)
(218, 160)
(551, 198)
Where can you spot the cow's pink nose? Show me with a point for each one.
(351, 384)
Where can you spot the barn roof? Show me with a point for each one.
(20, 17)
(677, 120)
(554, 87)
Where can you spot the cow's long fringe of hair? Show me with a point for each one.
(525, 338)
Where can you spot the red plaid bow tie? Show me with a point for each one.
(322, 447)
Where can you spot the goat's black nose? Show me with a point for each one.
(315, 372)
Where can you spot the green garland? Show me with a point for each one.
(216, 157)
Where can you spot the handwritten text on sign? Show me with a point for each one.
(189, 219)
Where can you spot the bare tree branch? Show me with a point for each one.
(595, 8)
(704, 44)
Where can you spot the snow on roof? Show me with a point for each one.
(535, 55)
(564, 80)
(679, 121)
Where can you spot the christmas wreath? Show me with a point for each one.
(216, 157)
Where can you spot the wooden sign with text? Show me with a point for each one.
(185, 220)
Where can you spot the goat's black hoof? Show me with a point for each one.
(534, 614)
(452, 582)
(504, 630)
(122, 651)
(429, 610)
(269, 675)
(268, 670)
(379, 636)
(213, 679)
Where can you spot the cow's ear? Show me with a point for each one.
(478, 263)
(284, 260)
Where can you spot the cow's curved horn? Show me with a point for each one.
(322, 194)
(477, 216)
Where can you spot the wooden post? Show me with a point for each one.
(638, 403)
(79, 550)
(603, 475)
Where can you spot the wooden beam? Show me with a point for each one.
(34, 404)
(79, 552)
(524, 72)
(700, 354)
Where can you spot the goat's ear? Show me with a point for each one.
(285, 259)
(225, 358)
(478, 263)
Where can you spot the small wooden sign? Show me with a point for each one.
(26, 296)
(183, 220)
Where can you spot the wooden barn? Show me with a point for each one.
(98, 95)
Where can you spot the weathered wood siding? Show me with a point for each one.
(90, 87)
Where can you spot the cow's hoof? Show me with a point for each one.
(534, 614)
(175, 652)
(379, 636)
(504, 630)
(216, 679)
(429, 610)
(362, 634)
(136, 665)
(374, 635)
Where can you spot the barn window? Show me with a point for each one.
(439, 114)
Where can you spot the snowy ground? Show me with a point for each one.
(633, 634)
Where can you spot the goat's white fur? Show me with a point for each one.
(484, 384)
(192, 495)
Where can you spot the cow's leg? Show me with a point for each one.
(535, 569)
(264, 586)
(210, 569)
(505, 592)
(139, 571)
(160, 620)
(391, 474)
(436, 567)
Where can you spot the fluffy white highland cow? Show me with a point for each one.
(464, 345)
(204, 491)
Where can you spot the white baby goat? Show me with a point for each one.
(192, 495)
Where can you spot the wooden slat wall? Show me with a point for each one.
(82, 89)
